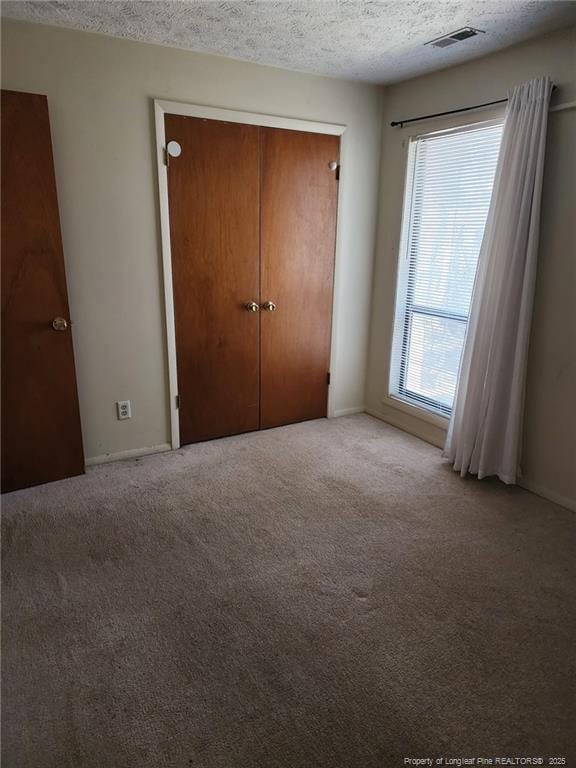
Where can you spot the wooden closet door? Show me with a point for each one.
(298, 232)
(41, 436)
(213, 189)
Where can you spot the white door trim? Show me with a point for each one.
(162, 108)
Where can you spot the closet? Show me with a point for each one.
(252, 230)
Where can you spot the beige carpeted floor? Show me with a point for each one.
(325, 595)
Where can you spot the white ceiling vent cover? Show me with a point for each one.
(454, 37)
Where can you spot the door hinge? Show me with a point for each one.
(328, 378)
(177, 402)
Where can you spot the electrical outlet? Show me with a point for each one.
(124, 409)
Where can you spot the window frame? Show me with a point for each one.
(401, 396)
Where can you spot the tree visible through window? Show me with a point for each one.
(448, 190)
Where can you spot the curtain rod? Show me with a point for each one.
(402, 123)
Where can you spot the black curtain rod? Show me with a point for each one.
(401, 123)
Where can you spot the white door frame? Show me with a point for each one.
(161, 108)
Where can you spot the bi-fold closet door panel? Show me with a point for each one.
(298, 233)
(252, 224)
(214, 191)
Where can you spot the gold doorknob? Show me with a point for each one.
(59, 324)
(269, 306)
(252, 306)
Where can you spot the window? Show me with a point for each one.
(448, 190)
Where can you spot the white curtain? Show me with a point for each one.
(485, 432)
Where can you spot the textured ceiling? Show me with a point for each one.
(373, 40)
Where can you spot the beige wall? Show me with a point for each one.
(549, 457)
(100, 93)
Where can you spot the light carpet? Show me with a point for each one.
(324, 595)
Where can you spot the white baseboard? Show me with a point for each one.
(539, 490)
(410, 424)
(397, 420)
(546, 493)
(348, 411)
(134, 453)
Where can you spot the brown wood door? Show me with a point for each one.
(298, 231)
(41, 436)
(213, 190)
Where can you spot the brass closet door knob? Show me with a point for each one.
(60, 324)
(252, 306)
(269, 306)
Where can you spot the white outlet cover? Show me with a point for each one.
(124, 409)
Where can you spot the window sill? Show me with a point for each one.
(413, 410)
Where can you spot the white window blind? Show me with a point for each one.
(448, 190)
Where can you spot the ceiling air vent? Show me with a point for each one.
(454, 37)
